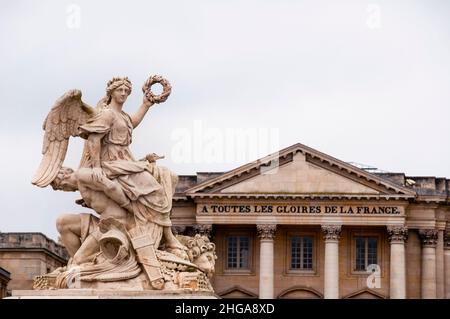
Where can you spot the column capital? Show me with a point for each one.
(397, 233)
(266, 231)
(178, 230)
(203, 229)
(447, 239)
(331, 232)
(428, 237)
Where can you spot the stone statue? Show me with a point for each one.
(130, 243)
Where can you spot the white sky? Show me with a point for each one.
(363, 81)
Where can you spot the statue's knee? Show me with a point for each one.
(62, 223)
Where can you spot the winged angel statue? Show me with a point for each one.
(129, 244)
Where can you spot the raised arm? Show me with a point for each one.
(136, 118)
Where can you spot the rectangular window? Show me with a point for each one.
(301, 253)
(366, 252)
(238, 252)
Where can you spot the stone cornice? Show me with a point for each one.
(300, 196)
(397, 234)
(428, 199)
(266, 231)
(179, 198)
(428, 237)
(331, 232)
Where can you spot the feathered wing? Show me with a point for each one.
(85, 156)
(63, 121)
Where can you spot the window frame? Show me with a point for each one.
(380, 243)
(251, 248)
(288, 253)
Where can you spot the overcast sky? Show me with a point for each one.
(363, 81)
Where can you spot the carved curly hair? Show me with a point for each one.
(113, 84)
(197, 245)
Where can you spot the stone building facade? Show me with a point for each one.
(5, 277)
(26, 255)
(302, 224)
(298, 224)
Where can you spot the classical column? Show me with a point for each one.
(440, 267)
(397, 238)
(429, 241)
(332, 234)
(447, 264)
(266, 235)
(203, 230)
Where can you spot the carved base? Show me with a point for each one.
(109, 294)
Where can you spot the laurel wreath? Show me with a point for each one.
(146, 88)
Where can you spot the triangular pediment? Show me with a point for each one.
(300, 170)
(365, 294)
(299, 292)
(300, 177)
(237, 292)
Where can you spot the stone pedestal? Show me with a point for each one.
(266, 234)
(331, 276)
(109, 294)
(429, 241)
(397, 284)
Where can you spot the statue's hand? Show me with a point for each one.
(151, 158)
(97, 174)
(146, 102)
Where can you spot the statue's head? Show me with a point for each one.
(65, 180)
(201, 252)
(118, 89)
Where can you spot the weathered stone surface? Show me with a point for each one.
(130, 244)
(110, 294)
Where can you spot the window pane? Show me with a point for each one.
(372, 245)
(295, 252)
(307, 252)
(360, 254)
(232, 252)
(244, 252)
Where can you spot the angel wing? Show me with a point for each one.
(63, 121)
